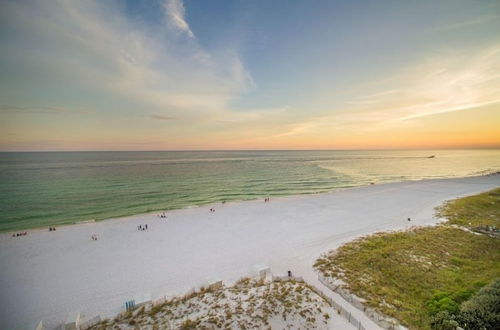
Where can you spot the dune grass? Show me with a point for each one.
(401, 273)
(249, 304)
(473, 211)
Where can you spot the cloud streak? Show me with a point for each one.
(176, 16)
(440, 84)
(163, 117)
(43, 109)
(92, 47)
(51, 110)
(466, 24)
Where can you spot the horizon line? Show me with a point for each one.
(232, 150)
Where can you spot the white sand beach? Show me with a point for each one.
(51, 276)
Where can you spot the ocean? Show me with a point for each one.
(51, 188)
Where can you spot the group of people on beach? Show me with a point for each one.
(140, 227)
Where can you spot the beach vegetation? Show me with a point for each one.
(248, 304)
(424, 276)
(444, 321)
(481, 311)
(188, 324)
(473, 211)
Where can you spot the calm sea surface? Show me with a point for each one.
(49, 188)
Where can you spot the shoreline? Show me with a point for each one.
(228, 202)
(50, 275)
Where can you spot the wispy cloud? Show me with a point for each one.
(299, 128)
(176, 16)
(13, 109)
(18, 109)
(373, 98)
(163, 117)
(466, 24)
(92, 47)
(443, 83)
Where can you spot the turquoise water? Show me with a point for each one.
(50, 188)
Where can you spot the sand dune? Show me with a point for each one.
(52, 275)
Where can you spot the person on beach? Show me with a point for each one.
(146, 226)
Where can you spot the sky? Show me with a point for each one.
(231, 74)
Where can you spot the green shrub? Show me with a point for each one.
(482, 311)
(442, 302)
(462, 295)
(444, 321)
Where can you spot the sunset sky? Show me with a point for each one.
(229, 74)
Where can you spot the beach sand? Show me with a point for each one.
(51, 276)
